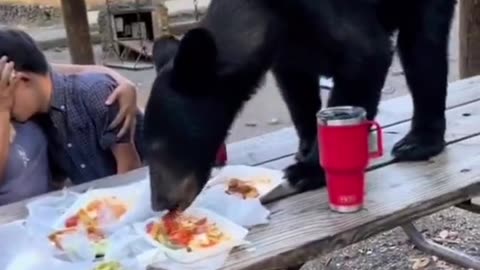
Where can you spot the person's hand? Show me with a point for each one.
(126, 95)
(7, 84)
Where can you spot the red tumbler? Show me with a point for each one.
(343, 136)
(221, 155)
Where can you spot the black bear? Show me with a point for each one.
(204, 80)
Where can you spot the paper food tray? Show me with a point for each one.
(136, 197)
(264, 179)
(234, 231)
(22, 250)
(43, 212)
(247, 213)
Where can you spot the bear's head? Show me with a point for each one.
(187, 118)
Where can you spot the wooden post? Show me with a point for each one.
(78, 31)
(469, 35)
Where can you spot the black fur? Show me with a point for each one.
(217, 67)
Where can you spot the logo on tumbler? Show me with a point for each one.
(347, 199)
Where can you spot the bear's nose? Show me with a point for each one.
(161, 204)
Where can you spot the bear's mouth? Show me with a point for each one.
(170, 193)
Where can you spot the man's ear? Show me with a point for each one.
(164, 49)
(196, 61)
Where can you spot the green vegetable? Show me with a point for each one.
(109, 266)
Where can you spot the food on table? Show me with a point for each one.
(180, 231)
(94, 235)
(244, 188)
(109, 266)
(96, 211)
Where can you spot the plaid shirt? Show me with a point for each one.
(77, 127)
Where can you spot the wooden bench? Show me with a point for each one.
(302, 227)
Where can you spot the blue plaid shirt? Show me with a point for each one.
(79, 139)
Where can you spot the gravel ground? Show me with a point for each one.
(452, 227)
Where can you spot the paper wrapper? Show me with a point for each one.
(247, 212)
(265, 180)
(43, 212)
(131, 248)
(244, 212)
(211, 263)
(136, 197)
(236, 233)
(21, 250)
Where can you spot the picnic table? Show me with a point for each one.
(302, 226)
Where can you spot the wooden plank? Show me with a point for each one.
(78, 32)
(469, 34)
(462, 122)
(302, 227)
(284, 142)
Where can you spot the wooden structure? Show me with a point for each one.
(469, 38)
(133, 28)
(302, 226)
(78, 32)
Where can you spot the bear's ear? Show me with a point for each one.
(164, 49)
(195, 63)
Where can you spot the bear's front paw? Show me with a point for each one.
(416, 147)
(305, 176)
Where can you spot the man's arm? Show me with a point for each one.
(7, 83)
(123, 148)
(75, 69)
(5, 132)
(126, 156)
(125, 93)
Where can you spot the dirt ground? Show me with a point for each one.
(390, 250)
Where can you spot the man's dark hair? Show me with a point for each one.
(20, 48)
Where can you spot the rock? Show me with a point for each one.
(443, 234)
(274, 121)
(251, 124)
(420, 263)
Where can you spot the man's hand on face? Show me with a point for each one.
(7, 84)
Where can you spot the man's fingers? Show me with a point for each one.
(118, 118)
(125, 127)
(112, 98)
(3, 79)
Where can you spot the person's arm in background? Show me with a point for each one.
(75, 69)
(7, 84)
(4, 142)
(125, 93)
(123, 148)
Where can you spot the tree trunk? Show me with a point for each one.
(78, 31)
(469, 38)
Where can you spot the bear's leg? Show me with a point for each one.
(300, 92)
(423, 46)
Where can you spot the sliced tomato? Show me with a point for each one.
(171, 225)
(72, 221)
(181, 238)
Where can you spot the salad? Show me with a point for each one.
(181, 231)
